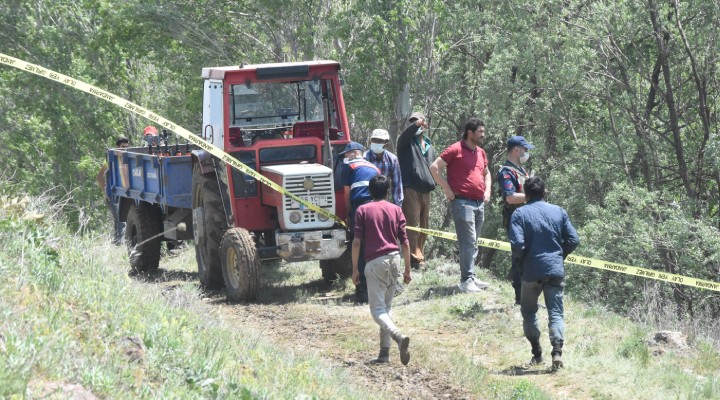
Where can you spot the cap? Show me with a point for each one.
(121, 140)
(515, 141)
(380, 134)
(150, 130)
(415, 116)
(353, 146)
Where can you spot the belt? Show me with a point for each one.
(466, 198)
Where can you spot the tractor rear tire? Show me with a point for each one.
(339, 267)
(143, 236)
(240, 265)
(206, 195)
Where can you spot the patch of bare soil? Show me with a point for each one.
(313, 325)
(304, 329)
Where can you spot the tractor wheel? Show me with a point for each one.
(341, 266)
(240, 265)
(208, 226)
(143, 236)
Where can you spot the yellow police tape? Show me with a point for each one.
(225, 157)
(143, 112)
(591, 262)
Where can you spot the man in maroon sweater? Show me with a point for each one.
(380, 225)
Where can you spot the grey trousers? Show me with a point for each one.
(381, 274)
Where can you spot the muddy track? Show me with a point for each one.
(293, 327)
(320, 326)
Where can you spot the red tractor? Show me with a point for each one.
(286, 121)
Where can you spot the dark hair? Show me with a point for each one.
(534, 188)
(379, 186)
(121, 140)
(472, 125)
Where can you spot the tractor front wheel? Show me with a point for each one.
(240, 265)
(340, 267)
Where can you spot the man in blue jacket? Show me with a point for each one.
(541, 236)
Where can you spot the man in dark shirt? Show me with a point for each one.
(415, 153)
(511, 177)
(102, 178)
(356, 176)
(380, 227)
(541, 236)
(468, 189)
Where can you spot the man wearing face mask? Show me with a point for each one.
(415, 153)
(511, 178)
(386, 162)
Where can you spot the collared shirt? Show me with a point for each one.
(466, 170)
(541, 235)
(388, 166)
(357, 174)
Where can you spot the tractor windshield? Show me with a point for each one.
(275, 104)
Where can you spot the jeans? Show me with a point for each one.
(468, 216)
(382, 273)
(118, 227)
(552, 289)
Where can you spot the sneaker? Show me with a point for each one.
(557, 361)
(403, 344)
(469, 286)
(399, 289)
(480, 284)
(536, 360)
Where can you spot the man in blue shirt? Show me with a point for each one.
(541, 236)
(386, 162)
(511, 177)
(356, 175)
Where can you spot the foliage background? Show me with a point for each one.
(619, 96)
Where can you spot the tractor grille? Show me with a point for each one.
(321, 194)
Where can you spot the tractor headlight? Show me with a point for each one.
(295, 217)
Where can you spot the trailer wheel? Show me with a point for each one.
(341, 266)
(143, 237)
(240, 265)
(208, 226)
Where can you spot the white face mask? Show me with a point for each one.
(524, 157)
(377, 148)
(419, 131)
(346, 160)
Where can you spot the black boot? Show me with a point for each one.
(557, 357)
(536, 352)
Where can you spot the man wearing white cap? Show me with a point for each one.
(386, 162)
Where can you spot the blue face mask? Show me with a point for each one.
(377, 148)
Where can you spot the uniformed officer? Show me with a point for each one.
(356, 176)
(511, 178)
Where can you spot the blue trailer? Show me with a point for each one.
(153, 193)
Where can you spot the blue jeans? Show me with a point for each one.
(469, 216)
(552, 289)
(118, 227)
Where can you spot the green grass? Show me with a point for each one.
(67, 308)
